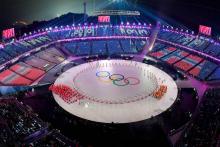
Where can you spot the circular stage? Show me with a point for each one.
(118, 91)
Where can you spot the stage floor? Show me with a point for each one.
(118, 91)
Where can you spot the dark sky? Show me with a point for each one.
(29, 10)
(190, 12)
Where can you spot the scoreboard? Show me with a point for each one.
(205, 30)
(104, 19)
(9, 33)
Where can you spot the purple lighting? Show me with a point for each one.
(1, 46)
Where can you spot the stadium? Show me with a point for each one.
(114, 79)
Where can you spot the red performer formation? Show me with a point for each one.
(66, 93)
(158, 94)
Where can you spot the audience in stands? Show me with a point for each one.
(203, 130)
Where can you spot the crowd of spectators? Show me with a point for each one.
(20, 126)
(204, 129)
(53, 139)
(19, 122)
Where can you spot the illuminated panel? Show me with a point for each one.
(104, 19)
(205, 30)
(9, 33)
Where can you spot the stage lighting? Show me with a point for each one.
(116, 1)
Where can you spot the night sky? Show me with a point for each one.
(188, 12)
(30, 10)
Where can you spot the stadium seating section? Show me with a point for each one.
(103, 47)
(39, 61)
(21, 127)
(194, 65)
(215, 75)
(17, 122)
(32, 67)
(203, 129)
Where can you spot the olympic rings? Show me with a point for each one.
(117, 79)
(133, 80)
(101, 74)
(119, 83)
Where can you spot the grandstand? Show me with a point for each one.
(127, 40)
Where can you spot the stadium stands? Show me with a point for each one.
(32, 67)
(83, 48)
(19, 122)
(70, 47)
(203, 129)
(104, 31)
(39, 63)
(175, 56)
(182, 109)
(55, 51)
(50, 57)
(204, 69)
(199, 44)
(128, 46)
(187, 62)
(213, 49)
(54, 54)
(19, 126)
(215, 76)
(114, 47)
(165, 52)
(99, 47)
(27, 71)
(53, 138)
(8, 77)
(4, 57)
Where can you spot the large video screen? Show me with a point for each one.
(9, 33)
(205, 30)
(104, 19)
